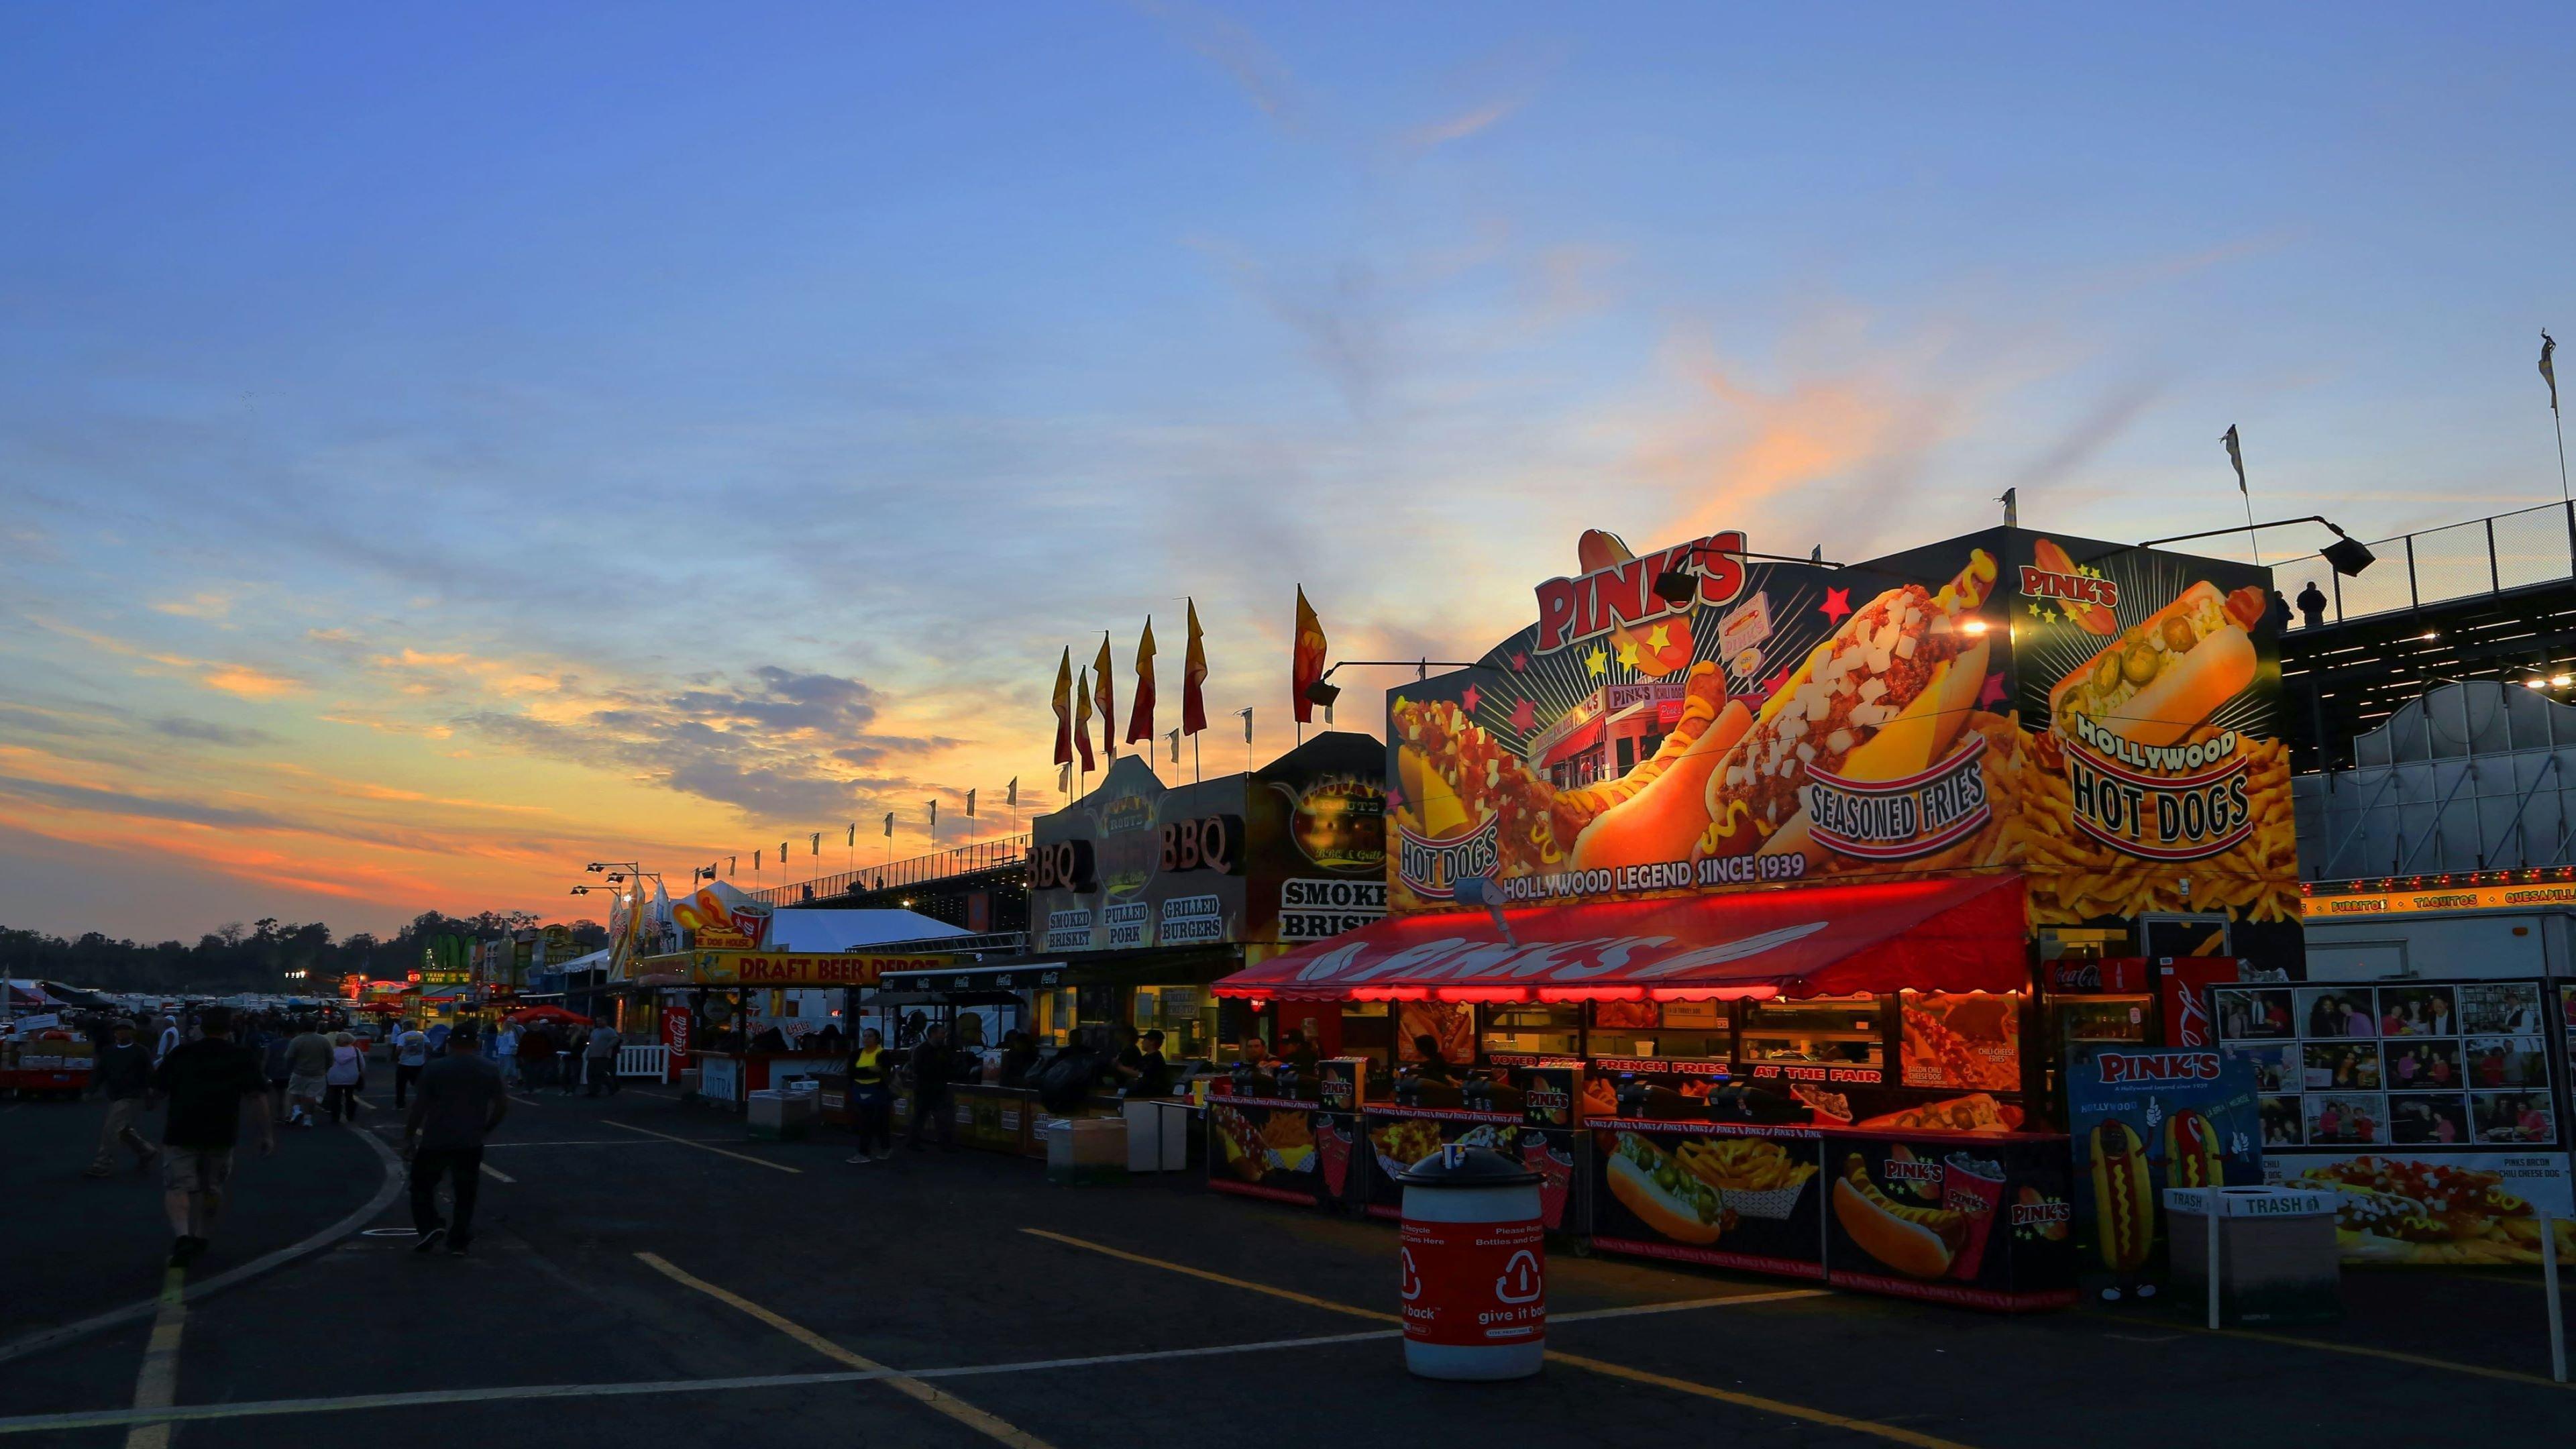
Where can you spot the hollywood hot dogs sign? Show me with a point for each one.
(2104, 718)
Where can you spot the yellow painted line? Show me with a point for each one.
(702, 1147)
(156, 1384)
(1204, 1275)
(999, 1430)
(1780, 1407)
(2390, 1354)
(490, 1171)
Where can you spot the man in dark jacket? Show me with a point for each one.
(205, 1082)
(933, 1067)
(124, 1076)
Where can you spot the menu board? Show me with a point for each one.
(2427, 1104)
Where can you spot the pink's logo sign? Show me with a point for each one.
(2124, 1067)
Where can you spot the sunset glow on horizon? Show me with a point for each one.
(442, 449)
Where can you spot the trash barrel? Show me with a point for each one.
(1474, 1285)
(2277, 1257)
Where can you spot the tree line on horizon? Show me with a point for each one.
(258, 957)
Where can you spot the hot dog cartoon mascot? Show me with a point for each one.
(2124, 1204)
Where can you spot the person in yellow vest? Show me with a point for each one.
(872, 1097)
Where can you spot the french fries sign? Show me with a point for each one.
(2090, 714)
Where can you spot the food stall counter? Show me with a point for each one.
(725, 1076)
(992, 1118)
(1400, 1135)
(1284, 1149)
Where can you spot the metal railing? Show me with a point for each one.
(1007, 850)
(2437, 565)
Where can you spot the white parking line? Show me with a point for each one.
(490, 1171)
(702, 1147)
(156, 1383)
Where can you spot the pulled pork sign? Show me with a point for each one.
(2103, 718)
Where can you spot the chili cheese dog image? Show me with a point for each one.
(2161, 677)
(2192, 1158)
(2124, 1201)
(1882, 699)
(1663, 1194)
(1916, 1241)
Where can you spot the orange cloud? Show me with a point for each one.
(247, 682)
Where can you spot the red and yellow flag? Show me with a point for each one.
(1306, 662)
(1105, 695)
(1193, 675)
(1082, 718)
(1140, 716)
(1064, 707)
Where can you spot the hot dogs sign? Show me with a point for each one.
(2101, 717)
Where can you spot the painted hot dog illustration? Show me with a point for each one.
(2192, 1158)
(1663, 1194)
(1919, 1242)
(1882, 699)
(2166, 674)
(2124, 1200)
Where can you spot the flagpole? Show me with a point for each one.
(2250, 540)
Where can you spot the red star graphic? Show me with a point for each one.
(1470, 699)
(1524, 715)
(1394, 795)
(1779, 677)
(1837, 603)
(1520, 662)
(1993, 693)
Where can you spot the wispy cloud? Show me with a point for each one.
(186, 727)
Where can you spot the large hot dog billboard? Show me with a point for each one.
(2103, 718)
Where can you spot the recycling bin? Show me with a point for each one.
(1473, 1284)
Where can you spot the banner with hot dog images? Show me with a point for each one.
(1398, 1137)
(2102, 718)
(1977, 1220)
(1725, 1194)
(1282, 1150)
(2145, 1119)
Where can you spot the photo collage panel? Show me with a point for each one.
(2463, 1065)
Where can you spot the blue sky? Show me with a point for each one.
(441, 444)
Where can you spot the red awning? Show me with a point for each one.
(1823, 940)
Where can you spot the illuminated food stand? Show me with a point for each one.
(738, 964)
(1795, 954)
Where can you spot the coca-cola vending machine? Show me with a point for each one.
(2131, 1001)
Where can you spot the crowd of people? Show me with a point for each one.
(211, 1069)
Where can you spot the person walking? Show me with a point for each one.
(124, 1076)
(273, 1066)
(170, 1039)
(505, 1050)
(872, 1097)
(599, 1061)
(308, 1067)
(411, 1054)
(340, 1079)
(461, 1099)
(536, 1056)
(204, 1082)
(932, 1100)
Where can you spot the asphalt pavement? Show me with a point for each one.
(643, 1271)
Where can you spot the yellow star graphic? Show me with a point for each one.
(1628, 652)
(1660, 638)
(1596, 661)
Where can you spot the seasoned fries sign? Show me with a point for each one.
(2103, 718)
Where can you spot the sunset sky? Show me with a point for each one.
(444, 445)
